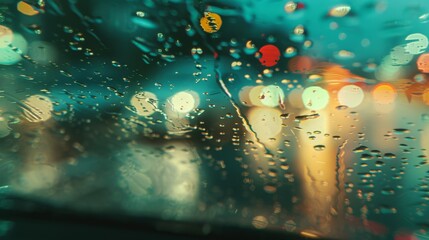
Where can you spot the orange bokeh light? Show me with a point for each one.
(423, 63)
(384, 93)
(26, 9)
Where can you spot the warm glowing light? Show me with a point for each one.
(384, 94)
(255, 96)
(145, 103)
(26, 9)
(339, 11)
(37, 108)
(249, 44)
(6, 36)
(272, 96)
(350, 96)
(250, 48)
(290, 6)
(423, 63)
(211, 22)
(266, 122)
(184, 102)
(315, 98)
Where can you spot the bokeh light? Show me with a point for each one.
(315, 98)
(272, 96)
(423, 63)
(351, 96)
(184, 102)
(418, 43)
(399, 56)
(300, 64)
(339, 10)
(255, 96)
(26, 9)
(384, 93)
(295, 98)
(145, 103)
(266, 122)
(37, 108)
(211, 22)
(10, 57)
(270, 55)
(6, 36)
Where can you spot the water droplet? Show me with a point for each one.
(365, 157)
(319, 147)
(389, 155)
(360, 149)
(400, 131)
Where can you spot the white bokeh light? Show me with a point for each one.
(351, 96)
(8, 56)
(315, 98)
(272, 96)
(184, 102)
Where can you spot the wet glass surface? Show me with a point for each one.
(306, 117)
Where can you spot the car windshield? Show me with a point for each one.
(302, 117)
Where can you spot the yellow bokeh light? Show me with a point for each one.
(255, 96)
(37, 108)
(266, 122)
(145, 103)
(290, 6)
(211, 22)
